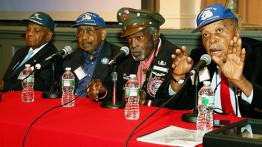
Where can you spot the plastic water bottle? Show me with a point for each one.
(68, 87)
(28, 84)
(205, 108)
(132, 95)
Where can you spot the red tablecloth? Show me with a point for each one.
(86, 124)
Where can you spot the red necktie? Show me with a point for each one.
(225, 96)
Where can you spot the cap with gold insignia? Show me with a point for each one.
(133, 20)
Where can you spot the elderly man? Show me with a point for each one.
(235, 70)
(39, 32)
(150, 56)
(93, 57)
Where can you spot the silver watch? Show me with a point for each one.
(180, 81)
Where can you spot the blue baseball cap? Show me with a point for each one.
(89, 19)
(42, 19)
(211, 14)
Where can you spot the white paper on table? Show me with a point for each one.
(172, 135)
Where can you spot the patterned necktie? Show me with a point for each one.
(225, 96)
(27, 57)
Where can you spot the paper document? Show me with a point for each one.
(172, 135)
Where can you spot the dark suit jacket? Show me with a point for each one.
(164, 60)
(43, 76)
(76, 59)
(252, 71)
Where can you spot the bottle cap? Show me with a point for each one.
(206, 82)
(68, 68)
(27, 65)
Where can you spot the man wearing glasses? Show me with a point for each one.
(95, 53)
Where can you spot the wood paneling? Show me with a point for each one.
(12, 38)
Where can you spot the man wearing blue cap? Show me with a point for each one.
(235, 71)
(39, 32)
(93, 57)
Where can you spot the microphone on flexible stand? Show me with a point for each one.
(204, 60)
(65, 51)
(124, 51)
(53, 93)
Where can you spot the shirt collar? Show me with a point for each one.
(87, 56)
(36, 49)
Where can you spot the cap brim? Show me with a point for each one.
(86, 24)
(210, 21)
(25, 22)
(132, 31)
(74, 26)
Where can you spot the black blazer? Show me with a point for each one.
(42, 76)
(252, 71)
(164, 60)
(76, 59)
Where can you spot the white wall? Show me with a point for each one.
(63, 10)
(179, 14)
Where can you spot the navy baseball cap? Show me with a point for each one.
(42, 19)
(211, 14)
(89, 19)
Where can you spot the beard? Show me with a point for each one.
(141, 57)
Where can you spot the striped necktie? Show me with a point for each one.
(27, 57)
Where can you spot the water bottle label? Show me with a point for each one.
(29, 79)
(132, 92)
(206, 100)
(68, 82)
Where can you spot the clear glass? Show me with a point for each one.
(90, 32)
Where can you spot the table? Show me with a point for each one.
(86, 124)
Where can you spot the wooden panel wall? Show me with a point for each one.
(12, 38)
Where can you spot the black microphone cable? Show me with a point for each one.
(161, 106)
(35, 120)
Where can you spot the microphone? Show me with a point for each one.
(204, 60)
(124, 51)
(65, 51)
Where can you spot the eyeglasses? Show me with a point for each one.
(80, 32)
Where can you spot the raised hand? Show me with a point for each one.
(182, 63)
(232, 66)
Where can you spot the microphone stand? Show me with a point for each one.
(53, 93)
(113, 104)
(192, 117)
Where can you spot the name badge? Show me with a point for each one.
(80, 73)
(160, 68)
